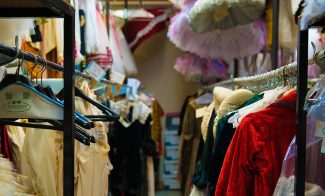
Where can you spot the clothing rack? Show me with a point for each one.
(11, 52)
(301, 112)
(61, 9)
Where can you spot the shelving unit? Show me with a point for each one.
(61, 9)
(301, 112)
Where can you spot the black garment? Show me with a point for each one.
(128, 155)
(82, 32)
(223, 140)
(199, 178)
(224, 135)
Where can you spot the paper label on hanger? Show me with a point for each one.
(117, 77)
(95, 71)
(199, 113)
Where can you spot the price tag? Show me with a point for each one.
(117, 77)
(199, 113)
(95, 71)
(135, 84)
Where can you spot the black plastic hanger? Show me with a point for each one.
(108, 113)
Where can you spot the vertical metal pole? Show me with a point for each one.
(126, 7)
(275, 34)
(107, 6)
(69, 127)
(301, 113)
(236, 68)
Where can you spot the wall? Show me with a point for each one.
(155, 60)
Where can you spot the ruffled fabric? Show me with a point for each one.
(208, 15)
(200, 70)
(238, 42)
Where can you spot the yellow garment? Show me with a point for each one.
(231, 103)
(157, 114)
(41, 160)
(17, 137)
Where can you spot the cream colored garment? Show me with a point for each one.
(219, 94)
(269, 97)
(286, 187)
(150, 176)
(206, 120)
(196, 192)
(92, 165)
(140, 112)
(288, 31)
(17, 137)
(41, 160)
(231, 103)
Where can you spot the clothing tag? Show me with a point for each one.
(93, 83)
(323, 147)
(320, 129)
(95, 71)
(199, 113)
(109, 91)
(117, 77)
(320, 132)
(80, 81)
(117, 90)
(135, 84)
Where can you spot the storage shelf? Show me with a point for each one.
(35, 8)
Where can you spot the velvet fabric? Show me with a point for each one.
(253, 161)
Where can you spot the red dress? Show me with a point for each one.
(254, 158)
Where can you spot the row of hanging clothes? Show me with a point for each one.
(243, 141)
(135, 141)
(32, 139)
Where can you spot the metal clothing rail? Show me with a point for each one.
(275, 33)
(287, 69)
(55, 8)
(11, 52)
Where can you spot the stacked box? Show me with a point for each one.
(171, 145)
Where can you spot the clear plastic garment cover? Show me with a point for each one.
(315, 148)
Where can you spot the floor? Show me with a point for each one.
(168, 193)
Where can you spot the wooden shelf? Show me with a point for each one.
(35, 8)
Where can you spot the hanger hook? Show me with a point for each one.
(20, 63)
(32, 69)
(44, 65)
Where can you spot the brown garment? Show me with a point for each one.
(189, 145)
(157, 113)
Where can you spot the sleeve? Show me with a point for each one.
(236, 176)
